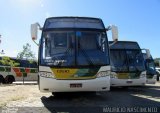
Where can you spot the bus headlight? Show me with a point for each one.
(155, 77)
(113, 76)
(142, 75)
(103, 74)
(46, 74)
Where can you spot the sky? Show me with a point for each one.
(137, 20)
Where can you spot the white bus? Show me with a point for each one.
(150, 69)
(73, 55)
(25, 71)
(127, 64)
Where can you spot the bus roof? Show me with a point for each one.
(73, 22)
(124, 45)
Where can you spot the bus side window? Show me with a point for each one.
(47, 42)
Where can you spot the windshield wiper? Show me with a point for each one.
(135, 66)
(85, 55)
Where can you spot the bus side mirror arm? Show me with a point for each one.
(40, 28)
(108, 28)
(114, 30)
(36, 43)
(114, 42)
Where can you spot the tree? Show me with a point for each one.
(8, 62)
(156, 61)
(26, 53)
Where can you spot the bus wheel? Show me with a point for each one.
(2, 80)
(57, 94)
(158, 77)
(54, 94)
(9, 79)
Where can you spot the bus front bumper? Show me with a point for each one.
(54, 85)
(128, 82)
(151, 81)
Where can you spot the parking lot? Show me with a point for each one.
(27, 98)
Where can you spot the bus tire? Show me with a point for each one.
(9, 79)
(2, 80)
(158, 75)
(57, 94)
(38, 81)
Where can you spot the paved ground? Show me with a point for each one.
(28, 99)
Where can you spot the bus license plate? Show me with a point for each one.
(129, 82)
(75, 85)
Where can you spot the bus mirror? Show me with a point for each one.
(34, 30)
(148, 53)
(114, 32)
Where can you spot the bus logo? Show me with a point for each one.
(63, 71)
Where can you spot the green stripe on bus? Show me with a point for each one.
(33, 71)
(8, 69)
(22, 70)
(24, 74)
(2, 69)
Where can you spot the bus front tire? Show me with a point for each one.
(9, 79)
(2, 80)
(57, 94)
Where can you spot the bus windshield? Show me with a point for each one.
(150, 66)
(135, 60)
(126, 60)
(118, 60)
(74, 48)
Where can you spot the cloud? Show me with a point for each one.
(47, 14)
(41, 3)
(10, 53)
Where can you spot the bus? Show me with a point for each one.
(150, 69)
(73, 55)
(158, 73)
(26, 71)
(127, 64)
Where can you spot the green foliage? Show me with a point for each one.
(8, 62)
(26, 53)
(156, 61)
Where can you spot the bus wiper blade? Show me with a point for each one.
(86, 56)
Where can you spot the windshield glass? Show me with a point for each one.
(118, 60)
(74, 48)
(91, 48)
(127, 60)
(135, 60)
(150, 66)
(58, 48)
